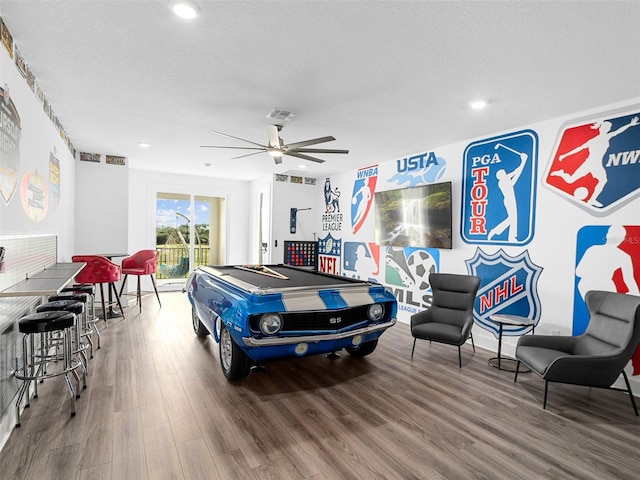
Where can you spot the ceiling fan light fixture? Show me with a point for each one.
(274, 152)
(185, 9)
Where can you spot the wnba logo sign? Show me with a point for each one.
(597, 164)
(362, 197)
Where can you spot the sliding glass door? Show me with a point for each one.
(190, 231)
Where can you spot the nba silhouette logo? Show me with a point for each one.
(499, 189)
(596, 165)
(607, 258)
(362, 197)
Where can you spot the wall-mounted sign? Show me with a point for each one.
(113, 160)
(10, 133)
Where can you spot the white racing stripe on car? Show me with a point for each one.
(295, 302)
(353, 298)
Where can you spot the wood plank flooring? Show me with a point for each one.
(158, 407)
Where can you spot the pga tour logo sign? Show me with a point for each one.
(362, 197)
(509, 286)
(499, 189)
(596, 164)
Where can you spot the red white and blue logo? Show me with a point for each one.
(607, 258)
(499, 189)
(362, 197)
(509, 286)
(361, 260)
(418, 169)
(329, 251)
(596, 165)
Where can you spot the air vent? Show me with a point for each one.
(281, 115)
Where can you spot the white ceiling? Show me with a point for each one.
(386, 79)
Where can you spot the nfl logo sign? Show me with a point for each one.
(509, 286)
(596, 164)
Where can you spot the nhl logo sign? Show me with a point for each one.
(508, 286)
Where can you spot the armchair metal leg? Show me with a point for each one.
(544, 403)
(472, 344)
(515, 377)
(633, 402)
(459, 357)
(414, 347)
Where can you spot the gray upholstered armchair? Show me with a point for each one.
(450, 317)
(598, 356)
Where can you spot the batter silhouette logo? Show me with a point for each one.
(361, 260)
(499, 189)
(607, 258)
(596, 165)
(329, 252)
(362, 197)
(509, 286)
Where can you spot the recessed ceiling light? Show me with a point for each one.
(302, 166)
(185, 9)
(144, 144)
(478, 104)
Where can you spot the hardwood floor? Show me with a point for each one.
(157, 406)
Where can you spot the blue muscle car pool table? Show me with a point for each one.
(263, 313)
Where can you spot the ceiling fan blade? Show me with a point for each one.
(304, 157)
(310, 142)
(274, 137)
(236, 148)
(319, 150)
(238, 138)
(248, 155)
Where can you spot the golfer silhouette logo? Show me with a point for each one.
(596, 164)
(499, 189)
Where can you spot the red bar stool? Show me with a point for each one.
(144, 262)
(100, 270)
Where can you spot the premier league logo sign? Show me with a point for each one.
(499, 189)
(509, 286)
(363, 189)
(597, 164)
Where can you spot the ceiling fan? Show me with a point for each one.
(277, 148)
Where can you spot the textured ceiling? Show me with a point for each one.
(386, 79)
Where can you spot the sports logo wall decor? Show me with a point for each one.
(361, 260)
(418, 169)
(362, 197)
(329, 251)
(509, 286)
(406, 273)
(596, 164)
(499, 189)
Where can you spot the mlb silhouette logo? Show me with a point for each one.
(361, 260)
(596, 165)
(509, 286)
(499, 189)
(362, 197)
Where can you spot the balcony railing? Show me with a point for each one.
(173, 261)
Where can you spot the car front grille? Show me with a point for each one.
(322, 320)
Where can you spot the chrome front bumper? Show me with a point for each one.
(271, 341)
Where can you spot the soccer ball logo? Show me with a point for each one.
(421, 264)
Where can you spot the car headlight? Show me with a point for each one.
(270, 323)
(375, 312)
